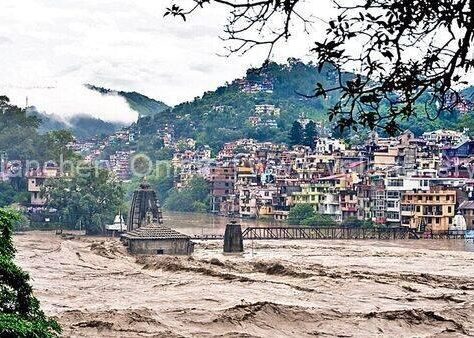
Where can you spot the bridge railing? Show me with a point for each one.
(328, 233)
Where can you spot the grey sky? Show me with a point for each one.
(50, 48)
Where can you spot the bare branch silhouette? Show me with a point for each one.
(411, 56)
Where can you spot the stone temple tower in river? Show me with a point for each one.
(145, 208)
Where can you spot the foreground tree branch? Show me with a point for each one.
(409, 56)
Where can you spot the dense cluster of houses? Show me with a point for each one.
(422, 183)
(117, 162)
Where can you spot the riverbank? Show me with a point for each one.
(277, 288)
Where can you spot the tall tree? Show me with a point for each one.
(20, 312)
(194, 197)
(299, 213)
(408, 51)
(296, 134)
(310, 134)
(90, 198)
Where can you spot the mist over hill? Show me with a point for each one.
(233, 110)
(84, 126)
(142, 104)
(81, 126)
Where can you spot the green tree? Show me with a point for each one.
(90, 198)
(18, 132)
(299, 213)
(310, 134)
(164, 154)
(54, 144)
(296, 134)
(194, 197)
(20, 312)
(319, 220)
(7, 194)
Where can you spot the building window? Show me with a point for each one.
(393, 194)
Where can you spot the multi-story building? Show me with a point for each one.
(222, 180)
(431, 210)
(445, 137)
(466, 208)
(36, 180)
(349, 204)
(326, 145)
(267, 109)
(120, 165)
(332, 195)
(371, 182)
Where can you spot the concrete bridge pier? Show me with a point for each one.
(233, 240)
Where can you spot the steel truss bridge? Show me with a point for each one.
(257, 233)
(328, 233)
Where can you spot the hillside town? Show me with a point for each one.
(424, 183)
(421, 183)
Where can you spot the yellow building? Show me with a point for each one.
(433, 209)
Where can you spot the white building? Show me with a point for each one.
(326, 145)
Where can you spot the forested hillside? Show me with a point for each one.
(20, 138)
(142, 104)
(81, 126)
(224, 115)
(21, 141)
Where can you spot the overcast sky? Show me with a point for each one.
(51, 47)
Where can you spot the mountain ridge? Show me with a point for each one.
(82, 126)
(144, 105)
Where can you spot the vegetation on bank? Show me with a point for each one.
(304, 214)
(20, 312)
(90, 199)
(194, 197)
(20, 140)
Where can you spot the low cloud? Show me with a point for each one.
(54, 47)
(70, 99)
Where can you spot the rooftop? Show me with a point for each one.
(154, 231)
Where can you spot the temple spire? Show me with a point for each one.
(145, 208)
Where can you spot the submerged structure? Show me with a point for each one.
(233, 240)
(146, 233)
(156, 239)
(459, 223)
(145, 208)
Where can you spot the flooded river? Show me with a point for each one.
(297, 288)
(205, 224)
(199, 224)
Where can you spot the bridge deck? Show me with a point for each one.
(328, 233)
(257, 233)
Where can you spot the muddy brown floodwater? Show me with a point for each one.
(275, 289)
